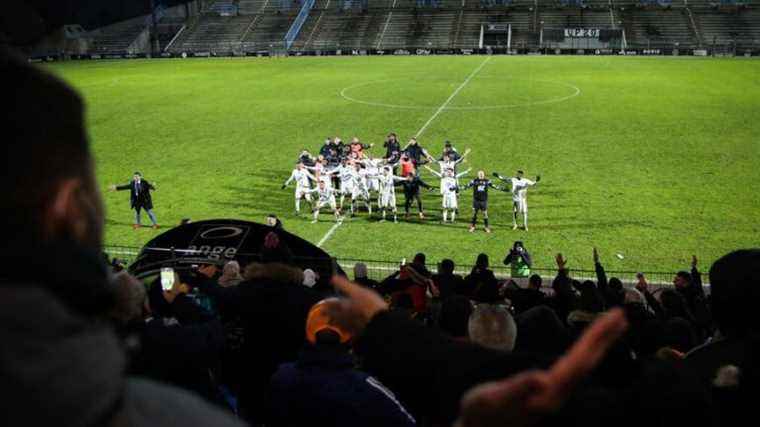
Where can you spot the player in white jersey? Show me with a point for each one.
(387, 198)
(373, 169)
(449, 191)
(325, 197)
(345, 174)
(303, 179)
(519, 189)
(321, 172)
(446, 163)
(360, 191)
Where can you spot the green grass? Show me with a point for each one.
(655, 158)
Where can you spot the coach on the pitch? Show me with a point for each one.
(139, 196)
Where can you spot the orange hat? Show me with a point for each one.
(319, 319)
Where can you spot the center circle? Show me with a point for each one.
(481, 93)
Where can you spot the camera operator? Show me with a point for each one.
(520, 263)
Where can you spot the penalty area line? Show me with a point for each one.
(443, 106)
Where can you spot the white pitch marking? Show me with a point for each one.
(332, 229)
(453, 94)
(329, 234)
(576, 92)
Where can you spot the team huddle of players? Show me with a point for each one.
(345, 171)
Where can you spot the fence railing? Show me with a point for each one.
(292, 33)
(380, 269)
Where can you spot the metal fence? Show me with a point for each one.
(380, 269)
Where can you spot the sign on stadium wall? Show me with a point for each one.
(410, 51)
(582, 33)
(497, 28)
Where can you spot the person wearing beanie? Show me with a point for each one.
(323, 388)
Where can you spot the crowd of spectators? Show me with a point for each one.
(258, 344)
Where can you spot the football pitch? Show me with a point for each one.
(654, 159)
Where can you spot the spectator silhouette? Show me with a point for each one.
(71, 365)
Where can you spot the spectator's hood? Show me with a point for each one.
(56, 368)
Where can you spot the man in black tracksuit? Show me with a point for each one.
(480, 187)
(412, 191)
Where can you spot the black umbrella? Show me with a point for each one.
(218, 241)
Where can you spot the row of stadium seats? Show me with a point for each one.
(659, 29)
(117, 37)
(262, 27)
(213, 33)
(723, 28)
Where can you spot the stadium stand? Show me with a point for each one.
(228, 26)
(662, 29)
(575, 18)
(434, 29)
(267, 31)
(739, 28)
(116, 38)
(349, 30)
(213, 33)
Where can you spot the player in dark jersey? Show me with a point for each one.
(480, 187)
(412, 185)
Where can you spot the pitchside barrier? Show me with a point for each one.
(380, 269)
(279, 50)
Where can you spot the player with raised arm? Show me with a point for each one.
(519, 188)
(325, 197)
(360, 191)
(356, 149)
(480, 186)
(447, 162)
(303, 179)
(449, 191)
(372, 168)
(387, 199)
(345, 174)
(322, 172)
(412, 185)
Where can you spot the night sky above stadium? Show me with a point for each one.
(22, 23)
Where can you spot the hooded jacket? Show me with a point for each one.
(60, 367)
(323, 388)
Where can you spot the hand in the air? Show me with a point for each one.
(642, 285)
(524, 399)
(363, 303)
(561, 261)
